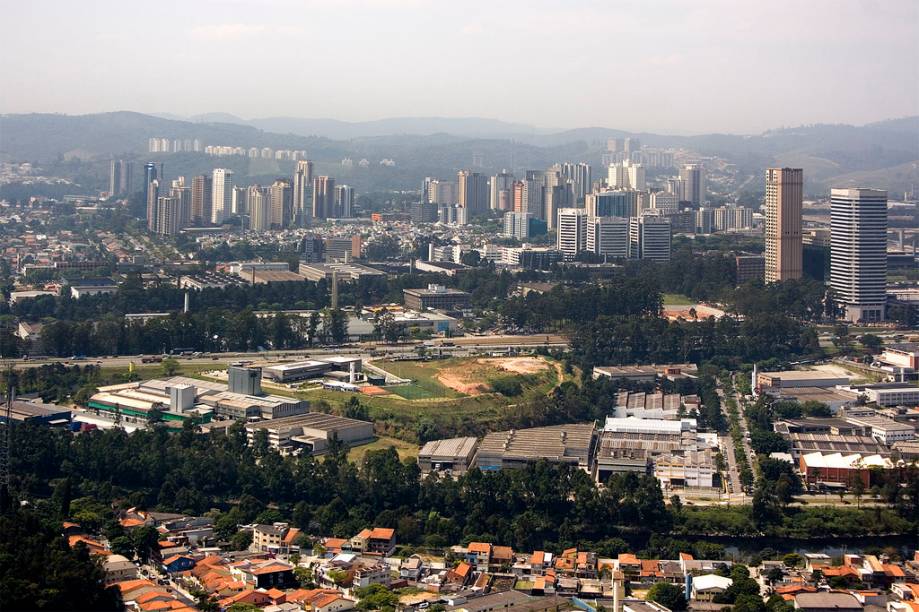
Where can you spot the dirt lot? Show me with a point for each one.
(472, 378)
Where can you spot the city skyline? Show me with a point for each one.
(724, 84)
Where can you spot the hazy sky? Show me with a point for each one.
(666, 66)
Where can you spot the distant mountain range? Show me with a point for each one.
(886, 151)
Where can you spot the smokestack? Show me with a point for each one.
(334, 289)
(186, 307)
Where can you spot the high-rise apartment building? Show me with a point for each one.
(784, 200)
(344, 202)
(323, 197)
(201, 199)
(221, 194)
(608, 236)
(182, 194)
(612, 203)
(441, 192)
(259, 201)
(168, 216)
(517, 225)
(150, 174)
(472, 191)
(533, 197)
(858, 252)
(580, 174)
(121, 178)
(501, 188)
(281, 203)
(152, 189)
(571, 238)
(692, 177)
(302, 191)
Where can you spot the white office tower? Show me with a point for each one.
(608, 236)
(649, 237)
(665, 201)
(517, 225)
(302, 191)
(221, 195)
(238, 206)
(501, 191)
(259, 201)
(572, 231)
(344, 201)
(693, 178)
(858, 252)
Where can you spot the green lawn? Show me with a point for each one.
(411, 392)
(424, 374)
(677, 299)
(405, 449)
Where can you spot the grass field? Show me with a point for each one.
(411, 392)
(424, 374)
(406, 450)
(677, 299)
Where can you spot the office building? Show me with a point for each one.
(858, 252)
(750, 268)
(436, 297)
(692, 178)
(705, 221)
(572, 231)
(281, 203)
(649, 237)
(472, 191)
(150, 175)
(424, 212)
(239, 205)
(608, 236)
(665, 201)
(301, 196)
(784, 199)
(259, 201)
(612, 203)
(201, 199)
(344, 202)
(221, 194)
(323, 197)
(523, 225)
(501, 188)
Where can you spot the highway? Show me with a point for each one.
(460, 347)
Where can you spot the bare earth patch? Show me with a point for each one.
(471, 378)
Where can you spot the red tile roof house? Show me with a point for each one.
(376, 541)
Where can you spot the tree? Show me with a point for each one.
(668, 595)
(793, 560)
(376, 597)
(858, 488)
(39, 570)
(146, 540)
(241, 540)
(170, 366)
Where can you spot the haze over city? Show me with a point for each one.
(665, 67)
(459, 306)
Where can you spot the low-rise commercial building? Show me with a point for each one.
(311, 433)
(436, 297)
(451, 456)
(569, 444)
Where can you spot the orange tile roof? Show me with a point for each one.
(174, 558)
(270, 569)
(462, 570)
(131, 522)
(791, 589)
(479, 547)
(325, 599)
(276, 594)
(569, 552)
(894, 570)
(129, 585)
(172, 604)
(538, 557)
(68, 525)
(839, 570)
(153, 595)
(382, 533)
(364, 534)
(95, 547)
(628, 559)
(291, 535)
(539, 583)
(650, 567)
(686, 557)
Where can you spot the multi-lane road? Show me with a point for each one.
(461, 347)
